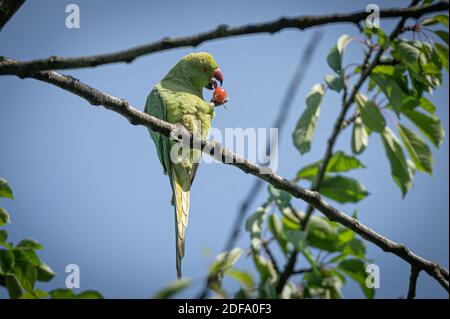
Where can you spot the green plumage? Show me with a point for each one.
(178, 98)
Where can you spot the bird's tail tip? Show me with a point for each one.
(179, 274)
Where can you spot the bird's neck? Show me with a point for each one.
(176, 81)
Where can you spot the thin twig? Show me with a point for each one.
(350, 120)
(302, 271)
(265, 246)
(413, 282)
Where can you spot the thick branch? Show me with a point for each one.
(136, 117)
(7, 10)
(223, 31)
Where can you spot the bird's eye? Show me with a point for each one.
(205, 69)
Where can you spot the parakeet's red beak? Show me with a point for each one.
(217, 75)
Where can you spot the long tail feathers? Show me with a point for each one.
(181, 203)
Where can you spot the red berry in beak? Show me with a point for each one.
(220, 96)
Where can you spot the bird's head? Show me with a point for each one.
(201, 70)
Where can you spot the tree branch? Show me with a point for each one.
(135, 117)
(7, 10)
(221, 32)
(413, 282)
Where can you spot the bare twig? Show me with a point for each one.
(135, 117)
(302, 271)
(265, 246)
(7, 10)
(413, 282)
(223, 31)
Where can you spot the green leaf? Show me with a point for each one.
(417, 56)
(383, 39)
(5, 190)
(44, 272)
(326, 284)
(342, 189)
(297, 238)
(6, 261)
(35, 294)
(310, 258)
(328, 236)
(253, 225)
(360, 138)
(221, 265)
(322, 235)
(27, 255)
(89, 294)
(29, 243)
(264, 267)
(443, 35)
(13, 286)
(334, 82)
(4, 217)
(173, 288)
(408, 53)
(430, 126)
(276, 228)
(242, 294)
(26, 274)
(397, 160)
(4, 238)
(345, 236)
(355, 247)
(442, 53)
(335, 54)
(427, 105)
(291, 219)
(394, 93)
(306, 125)
(370, 114)
(282, 198)
(242, 277)
(63, 293)
(419, 151)
(441, 18)
(339, 162)
(355, 269)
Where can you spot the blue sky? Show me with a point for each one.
(89, 187)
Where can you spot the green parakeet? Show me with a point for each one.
(178, 99)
